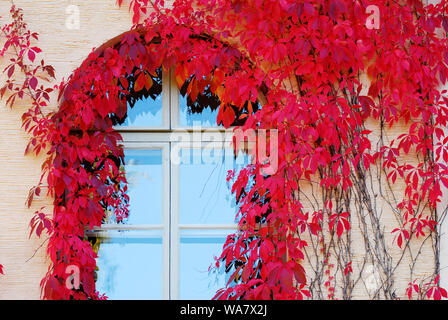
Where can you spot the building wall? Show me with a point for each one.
(24, 259)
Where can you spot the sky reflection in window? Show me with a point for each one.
(145, 113)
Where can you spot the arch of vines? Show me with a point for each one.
(321, 75)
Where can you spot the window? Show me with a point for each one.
(181, 209)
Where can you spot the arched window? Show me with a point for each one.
(181, 209)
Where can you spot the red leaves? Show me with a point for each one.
(282, 274)
(433, 290)
(430, 290)
(299, 274)
(113, 62)
(412, 287)
(10, 71)
(33, 191)
(267, 250)
(226, 116)
(262, 292)
(336, 8)
(103, 106)
(324, 46)
(144, 80)
(284, 277)
(437, 293)
(348, 268)
(316, 222)
(401, 236)
(33, 83)
(40, 222)
(182, 75)
(341, 221)
(53, 289)
(31, 55)
(367, 104)
(248, 270)
(140, 83)
(1, 269)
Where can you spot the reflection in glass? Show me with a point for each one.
(130, 266)
(204, 196)
(144, 174)
(196, 256)
(145, 113)
(207, 118)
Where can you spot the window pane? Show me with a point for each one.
(196, 256)
(130, 265)
(207, 118)
(145, 113)
(204, 195)
(144, 174)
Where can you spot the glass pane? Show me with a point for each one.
(196, 256)
(144, 173)
(130, 265)
(207, 118)
(204, 195)
(145, 113)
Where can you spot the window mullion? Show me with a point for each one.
(174, 209)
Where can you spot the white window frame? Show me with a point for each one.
(165, 138)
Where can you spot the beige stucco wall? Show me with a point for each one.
(24, 259)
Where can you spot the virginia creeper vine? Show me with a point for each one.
(331, 86)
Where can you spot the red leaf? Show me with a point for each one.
(10, 71)
(36, 49)
(226, 116)
(140, 83)
(348, 268)
(247, 271)
(400, 240)
(340, 229)
(299, 274)
(437, 295)
(430, 291)
(148, 82)
(31, 55)
(285, 278)
(33, 83)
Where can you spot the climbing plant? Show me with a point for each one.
(20, 56)
(332, 83)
